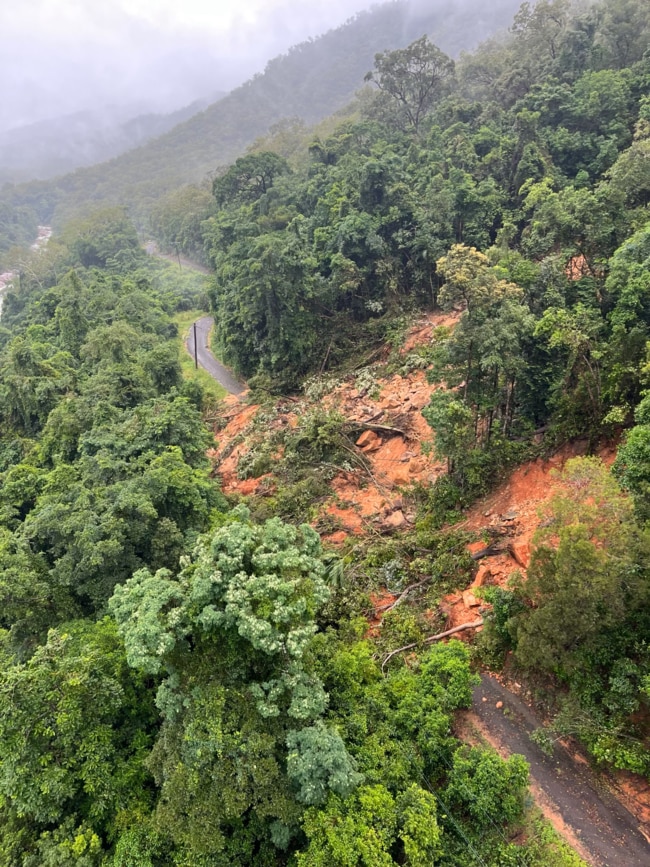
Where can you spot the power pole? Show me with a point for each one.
(196, 356)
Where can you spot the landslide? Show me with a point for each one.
(370, 498)
(389, 441)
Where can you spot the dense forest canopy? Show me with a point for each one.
(184, 681)
(510, 187)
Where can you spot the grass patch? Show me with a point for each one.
(210, 386)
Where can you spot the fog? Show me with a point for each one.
(66, 56)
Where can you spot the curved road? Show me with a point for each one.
(607, 833)
(207, 360)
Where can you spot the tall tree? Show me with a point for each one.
(416, 78)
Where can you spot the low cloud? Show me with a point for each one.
(64, 56)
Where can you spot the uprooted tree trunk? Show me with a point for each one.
(350, 426)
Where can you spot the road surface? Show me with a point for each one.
(207, 360)
(607, 832)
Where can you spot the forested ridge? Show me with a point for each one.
(190, 679)
(311, 81)
(53, 147)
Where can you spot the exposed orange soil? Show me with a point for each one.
(393, 458)
(381, 602)
(577, 268)
(634, 792)
(421, 333)
(510, 515)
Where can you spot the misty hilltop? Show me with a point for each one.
(53, 147)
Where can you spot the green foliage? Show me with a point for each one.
(234, 629)
(633, 466)
(249, 178)
(514, 193)
(483, 361)
(588, 581)
(415, 77)
(75, 727)
(177, 217)
(363, 830)
(107, 239)
(497, 637)
(318, 762)
(583, 616)
(117, 478)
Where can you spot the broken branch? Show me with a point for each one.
(432, 638)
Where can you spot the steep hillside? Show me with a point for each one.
(229, 631)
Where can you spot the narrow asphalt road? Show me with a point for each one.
(606, 830)
(207, 360)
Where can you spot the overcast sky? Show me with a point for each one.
(61, 56)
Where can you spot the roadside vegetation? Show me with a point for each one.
(209, 386)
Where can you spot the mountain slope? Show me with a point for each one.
(311, 81)
(62, 144)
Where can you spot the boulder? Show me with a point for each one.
(395, 521)
(469, 600)
(417, 466)
(484, 572)
(369, 441)
(520, 551)
(400, 476)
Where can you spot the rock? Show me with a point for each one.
(520, 551)
(484, 572)
(417, 466)
(484, 698)
(337, 538)
(369, 441)
(400, 476)
(469, 600)
(499, 705)
(510, 515)
(395, 521)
